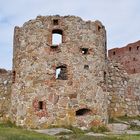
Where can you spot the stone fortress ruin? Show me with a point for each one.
(72, 82)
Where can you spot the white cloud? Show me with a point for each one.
(121, 19)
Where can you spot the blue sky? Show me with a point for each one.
(120, 17)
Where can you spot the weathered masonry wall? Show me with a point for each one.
(128, 56)
(124, 91)
(5, 94)
(124, 81)
(59, 84)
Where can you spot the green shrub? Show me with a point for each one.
(8, 124)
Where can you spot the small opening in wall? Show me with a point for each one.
(86, 67)
(40, 105)
(134, 59)
(114, 53)
(99, 28)
(105, 76)
(83, 111)
(14, 76)
(84, 50)
(138, 47)
(134, 70)
(61, 72)
(130, 48)
(55, 22)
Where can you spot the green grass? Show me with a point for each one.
(75, 130)
(123, 118)
(10, 132)
(134, 127)
(99, 129)
(123, 137)
(126, 119)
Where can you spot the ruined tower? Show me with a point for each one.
(63, 83)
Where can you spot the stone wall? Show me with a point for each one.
(128, 56)
(5, 94)
(124, 91)
(76, 96)
(132, 95)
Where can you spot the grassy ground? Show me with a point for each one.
(10, 132)
(127, 119)
(111, 137)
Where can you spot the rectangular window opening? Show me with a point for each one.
(55, 22)
(57, 36)
(40, 105)
(86, 67)
(61, 73)
(99, 28)
(84, 50)
(14, 76)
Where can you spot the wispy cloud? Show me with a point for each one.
(121, 19)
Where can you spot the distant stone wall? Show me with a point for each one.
(5, 93)
(128, 56)
(124, 91)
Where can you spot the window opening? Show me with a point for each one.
(86, 67)
(105, 76)
(99, 28)
(129, 48)
(84, 50)
(14, 76)
(56, 37)
(138, 47)
(40, 105)
(83, 111)
(55, 22)
(134, 59)
(134, 70)
(61, 72)
(114, 53)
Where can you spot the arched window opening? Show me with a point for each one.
(61, 73)
(83, 111)
(56, 37)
